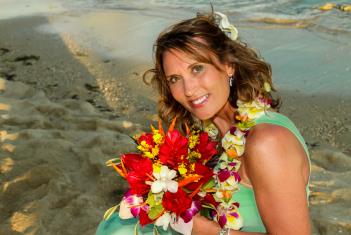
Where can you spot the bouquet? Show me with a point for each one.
(171, 179)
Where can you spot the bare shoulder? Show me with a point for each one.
(271, 138)
(266, 133)
(275, 148)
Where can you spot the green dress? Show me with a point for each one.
(245, 196)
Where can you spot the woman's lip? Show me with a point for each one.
(199, 101)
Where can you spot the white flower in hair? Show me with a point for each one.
(226, 26)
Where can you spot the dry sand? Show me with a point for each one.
(65, 110)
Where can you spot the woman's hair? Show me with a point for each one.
(251, 71)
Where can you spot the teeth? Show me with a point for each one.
(200, 100)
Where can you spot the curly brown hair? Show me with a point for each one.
(251, 71)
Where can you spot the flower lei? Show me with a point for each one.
(227, 178)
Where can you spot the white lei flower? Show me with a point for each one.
(226, 172)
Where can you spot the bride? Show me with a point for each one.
(204, 72)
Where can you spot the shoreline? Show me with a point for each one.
(65, 110)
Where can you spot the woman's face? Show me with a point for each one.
(200, 88)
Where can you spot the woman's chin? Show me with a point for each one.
(203, 116)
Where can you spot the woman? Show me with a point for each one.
(203, 74)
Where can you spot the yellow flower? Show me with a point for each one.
(192, 166)
(157, 137)
(193, 155)
(155, 150)
(143, 146)
(182, 169)
(193, 140)
(148, 155)
(156, 167)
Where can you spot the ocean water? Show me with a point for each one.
(285, 9)
(309, 49)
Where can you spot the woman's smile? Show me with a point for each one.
(199, 102)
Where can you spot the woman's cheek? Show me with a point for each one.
(176, 92)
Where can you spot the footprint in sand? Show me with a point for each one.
(9, 76)
(3, 51)
(8, 72)
(27, 59)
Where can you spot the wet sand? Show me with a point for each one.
(65, 110)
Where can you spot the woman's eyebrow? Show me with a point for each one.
(188, 67)
(192, 65)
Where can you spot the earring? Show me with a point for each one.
(231, 79)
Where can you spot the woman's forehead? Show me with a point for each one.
(176, 55)
(189, 56)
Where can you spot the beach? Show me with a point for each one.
(71, 95)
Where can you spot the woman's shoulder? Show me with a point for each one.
(265, 133)
(269, 144)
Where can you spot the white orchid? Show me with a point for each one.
(129, 206)
(181, 227)
(234, 220)
(164, 220)
(124, 210)
(164, 181)
(236, 141)
(252, 110)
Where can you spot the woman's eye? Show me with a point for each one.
(197, 68)
(172, 79)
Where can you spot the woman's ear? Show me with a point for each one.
(229, 68)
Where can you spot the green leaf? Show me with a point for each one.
(134, 140)
(187, 190)
(110, 211)
(205, 213)
(155, 211)
(156, 232)
(136, 228)
(209, 206)
(209, 184)
(154, 198)
(150, 199)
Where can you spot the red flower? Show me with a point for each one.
(209, 199)
(139, 170)
(144, 218)
(206, 174)
(177, 202)
(174, 149)
(148, 138)
(206, 147)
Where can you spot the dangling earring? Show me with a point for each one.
(231, 79)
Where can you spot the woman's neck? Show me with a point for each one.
(224, 118)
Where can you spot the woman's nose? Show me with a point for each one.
(190, 86)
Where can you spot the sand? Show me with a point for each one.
(65, 109)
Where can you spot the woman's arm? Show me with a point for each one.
(278, 169)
